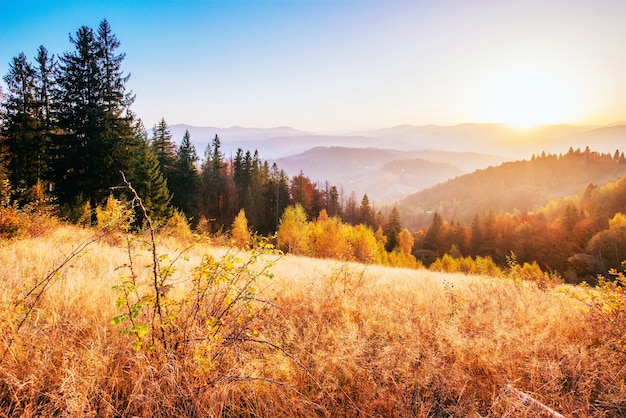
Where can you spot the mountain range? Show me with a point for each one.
(392, 163)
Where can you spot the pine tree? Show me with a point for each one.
(23, 147)
(432, 240)
(164, 148)
(94, 118)
(214, 185)
(392, 229)
(185, 180)
(276, 198)
(365, 213)
(148, 180)
(332, 202)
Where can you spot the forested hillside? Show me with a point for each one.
(513, 187)
(580, 235)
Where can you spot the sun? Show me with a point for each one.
(524, 97)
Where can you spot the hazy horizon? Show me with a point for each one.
(343, 66)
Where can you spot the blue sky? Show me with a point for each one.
(341, 65)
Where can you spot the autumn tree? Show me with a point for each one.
(610, 245)
(364, 245)
(240, 233)
(303, 193)
(329, 237)
(293, 235)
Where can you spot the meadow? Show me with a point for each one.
(91, 327)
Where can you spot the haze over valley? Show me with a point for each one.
(389, 164)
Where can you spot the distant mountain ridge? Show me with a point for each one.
(492, 139)
(383, 174)
(495, 143)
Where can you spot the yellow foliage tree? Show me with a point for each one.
(405, 242)
(293, 231)
(240, 233)
(364, 244)
(329, 238)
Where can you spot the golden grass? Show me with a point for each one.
(349, 341)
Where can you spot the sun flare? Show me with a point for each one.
(526, 97)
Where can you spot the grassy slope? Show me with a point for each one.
(379, 342)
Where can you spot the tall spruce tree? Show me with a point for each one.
(392, 229)
(22, 144)
(164, 148)
(185, 180)
(213, 185)
(94, 118)
(145, 175)
(365, 212)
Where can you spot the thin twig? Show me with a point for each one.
(529, 400)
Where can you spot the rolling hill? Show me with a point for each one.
(384, 174)
(379, 162)
(524, 185)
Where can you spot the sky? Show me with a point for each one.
(349, 65)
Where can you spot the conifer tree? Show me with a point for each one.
(214, 185)
(276, 198)
(365, 213)
(22, 145)
(333, 206)
(147, 179)
(392, 229)
(94, 118)
(164, 148)
(185, 180)
(432, 240)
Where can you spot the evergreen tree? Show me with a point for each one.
(22, 145)
(476, 240)
(276, 198)
(164, 148)
(214, 185)
(94, 118)
(432, 240)
(333, 206)
(350, 213)
(365, 213)
(185, 180)
(392, 229)
(147, 179)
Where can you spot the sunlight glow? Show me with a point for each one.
(524, 97)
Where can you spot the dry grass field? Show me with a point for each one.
(314, 338)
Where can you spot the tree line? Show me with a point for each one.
(68, 134)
